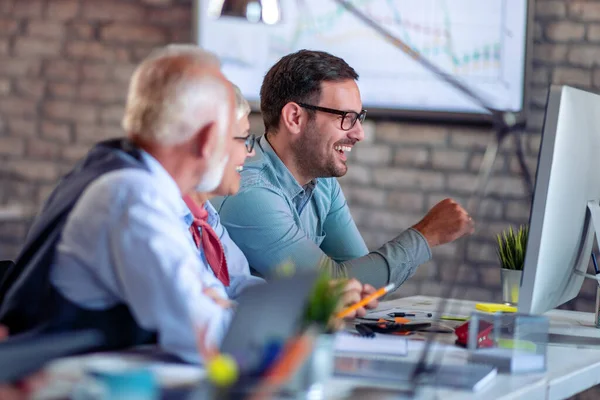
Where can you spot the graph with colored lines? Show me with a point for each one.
(480, 42)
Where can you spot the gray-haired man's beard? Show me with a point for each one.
(212, 178)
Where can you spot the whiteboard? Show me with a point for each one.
(481, 42)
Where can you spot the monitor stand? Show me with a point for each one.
(573, 340)
(594, 207)
(585, 341)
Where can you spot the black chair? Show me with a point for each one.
(23, 354)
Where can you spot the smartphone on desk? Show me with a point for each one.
(394, 327)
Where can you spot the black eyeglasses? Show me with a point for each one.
(249, 141)
(349, 118)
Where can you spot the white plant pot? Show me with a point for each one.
(510, 280)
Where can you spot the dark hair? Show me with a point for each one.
(297, 77)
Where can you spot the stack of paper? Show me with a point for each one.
(472, 377)
(387, 345)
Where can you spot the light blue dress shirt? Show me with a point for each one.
(126, 241)
(237, 264)
(273, 219)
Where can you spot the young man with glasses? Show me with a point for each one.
(291, 207)
(217, 250)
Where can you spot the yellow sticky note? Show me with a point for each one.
(492, 307)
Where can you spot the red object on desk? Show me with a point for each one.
(483, 336)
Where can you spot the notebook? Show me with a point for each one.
(471, 377)
(386, 345)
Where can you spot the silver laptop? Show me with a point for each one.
(266, 317)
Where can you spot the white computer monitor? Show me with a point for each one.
(567, 190)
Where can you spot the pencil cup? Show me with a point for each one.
(316, 371)
(514, 343)
(117, 381)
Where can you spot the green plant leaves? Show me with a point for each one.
(324, 300)
(511, 247)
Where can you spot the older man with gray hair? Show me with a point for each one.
(109, 249)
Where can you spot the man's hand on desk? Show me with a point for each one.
(367, 291)
(444, 223)
(354, 292)
(214, 295)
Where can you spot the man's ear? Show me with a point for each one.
(293, 118)
(205, 140)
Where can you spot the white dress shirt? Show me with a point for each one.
(125, 241)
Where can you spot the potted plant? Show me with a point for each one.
(511, 245)
(324, 303)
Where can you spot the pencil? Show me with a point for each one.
(379, 293)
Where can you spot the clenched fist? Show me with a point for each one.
(444, 223)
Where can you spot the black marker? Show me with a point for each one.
(403, 314)
(364, 331)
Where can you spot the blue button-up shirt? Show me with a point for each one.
(273, 219)
(237, 264)
(126, 241)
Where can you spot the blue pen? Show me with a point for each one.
(595, 263)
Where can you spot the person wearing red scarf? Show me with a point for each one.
(218, 251)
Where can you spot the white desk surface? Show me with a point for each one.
(571, 369)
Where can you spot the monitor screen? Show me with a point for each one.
(565, 201)
(482, 43)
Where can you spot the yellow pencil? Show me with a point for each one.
(379, 293)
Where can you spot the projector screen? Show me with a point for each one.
(481, 42)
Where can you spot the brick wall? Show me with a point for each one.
(64, 68)
(64, 65)
(404, 168)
